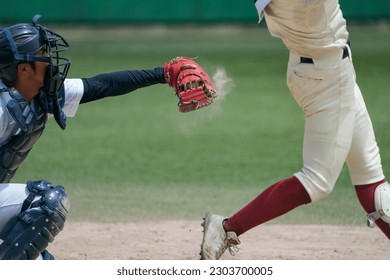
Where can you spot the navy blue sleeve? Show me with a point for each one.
(120, 82)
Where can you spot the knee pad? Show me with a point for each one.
(42, 217)
(382, 205)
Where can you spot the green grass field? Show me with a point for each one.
(136, 157)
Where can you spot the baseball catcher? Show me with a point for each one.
(33, 88)
(191, 83)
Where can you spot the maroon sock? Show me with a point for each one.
(365, 194)
(273, 202)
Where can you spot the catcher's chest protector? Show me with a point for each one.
(31, 120)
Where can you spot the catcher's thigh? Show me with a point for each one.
(12, 197)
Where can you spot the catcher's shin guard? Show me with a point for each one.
(42, 217)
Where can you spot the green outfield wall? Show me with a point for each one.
(165, 11)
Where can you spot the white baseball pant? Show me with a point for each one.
(338, 128)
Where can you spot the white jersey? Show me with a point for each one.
(74, 90)
(309, 28)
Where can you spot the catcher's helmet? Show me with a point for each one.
(20, 43)
(17, 43)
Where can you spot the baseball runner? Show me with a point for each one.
(33, 87)
(338, 129)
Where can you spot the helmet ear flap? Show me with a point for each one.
(8, 71)
(8, 74)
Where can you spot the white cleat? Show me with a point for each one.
(215, 239)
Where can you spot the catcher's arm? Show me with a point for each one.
(120, 82)
(191, 83)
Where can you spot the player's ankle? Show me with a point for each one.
(226, 226)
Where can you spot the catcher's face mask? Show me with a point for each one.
(56, 72)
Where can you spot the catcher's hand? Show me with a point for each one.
(191, 83)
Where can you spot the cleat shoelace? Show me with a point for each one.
(233, 249)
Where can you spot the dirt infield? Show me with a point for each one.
(180, 240)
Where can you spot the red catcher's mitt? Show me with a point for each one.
(191, 83)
